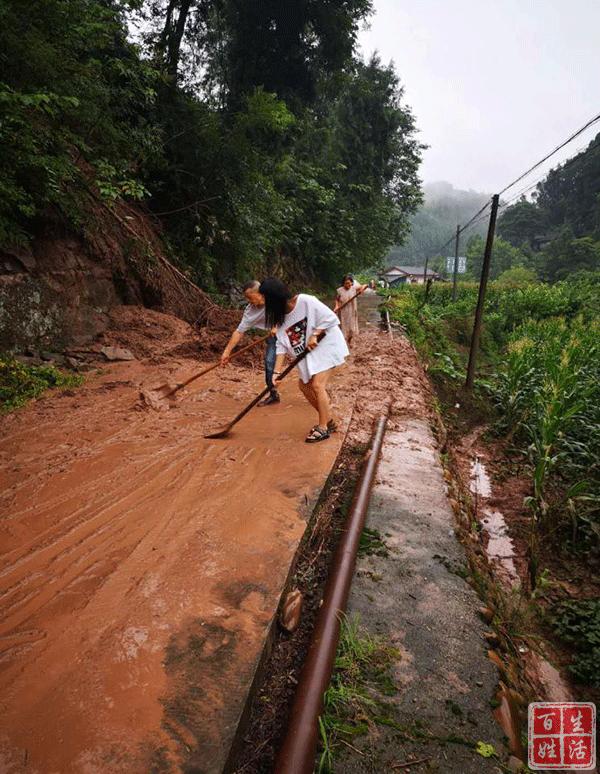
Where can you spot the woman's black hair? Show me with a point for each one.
(347, 277)
(276, 295)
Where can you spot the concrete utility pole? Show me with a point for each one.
(455, 263)
(485, 272)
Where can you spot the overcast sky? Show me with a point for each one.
(494, 85)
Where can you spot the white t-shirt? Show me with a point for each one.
(310, 314)
(253, 317)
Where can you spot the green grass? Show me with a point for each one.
(372, 544)
(20, 383)
(361, 674)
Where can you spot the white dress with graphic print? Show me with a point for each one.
(308, 315)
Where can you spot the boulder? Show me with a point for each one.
(117, 353)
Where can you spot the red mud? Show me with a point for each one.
(160, 338)
(142, 564)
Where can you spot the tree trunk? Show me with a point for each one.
(172, 35)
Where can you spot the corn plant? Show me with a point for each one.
(549, 391)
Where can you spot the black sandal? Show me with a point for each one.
(332, 427)
(317, 434)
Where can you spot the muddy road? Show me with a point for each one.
(141, 565)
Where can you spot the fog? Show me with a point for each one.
(494, 86)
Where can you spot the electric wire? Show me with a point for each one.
(549, 155)
(480, 214)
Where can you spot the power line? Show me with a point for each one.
(477, 218)
(549, 155)
(483, 209)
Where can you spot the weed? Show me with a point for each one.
(350, 703)
(372, 544)
(578, 623)
(20, 383)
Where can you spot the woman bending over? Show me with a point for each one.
(299, 320)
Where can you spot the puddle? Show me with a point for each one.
(480, 483)
(500, 547)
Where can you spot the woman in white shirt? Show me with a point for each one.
(254, 317)
(299, 320)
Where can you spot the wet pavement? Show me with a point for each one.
(416, 597)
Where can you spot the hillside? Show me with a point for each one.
(433, 223)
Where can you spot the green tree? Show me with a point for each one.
(504, 257)
(74, 95)
(570, 194)
(518, 275)
(566, 255)
(522, 224)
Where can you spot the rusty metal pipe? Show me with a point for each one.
(297, 754)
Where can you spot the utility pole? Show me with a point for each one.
(455, 263)
(485, 272)
(425, 272)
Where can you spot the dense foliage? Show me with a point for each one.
(252, 130)
(558, 233)
(541, 367)
(577, 622)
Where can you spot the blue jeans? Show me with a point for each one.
(270, 355)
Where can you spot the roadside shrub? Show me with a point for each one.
(20, 383)
(577, 622)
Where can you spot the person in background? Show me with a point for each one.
(254, 317)
(349, 314)
(299, 320)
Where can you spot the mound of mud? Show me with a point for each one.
(145, 332)
(160, 337)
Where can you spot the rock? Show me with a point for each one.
(73, 363)
(117, 353)
(53, 357)
(291, 611)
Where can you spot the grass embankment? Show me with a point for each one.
(20, 383)
(538, 387)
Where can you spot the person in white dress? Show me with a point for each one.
(299, 320)
(346, 297)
